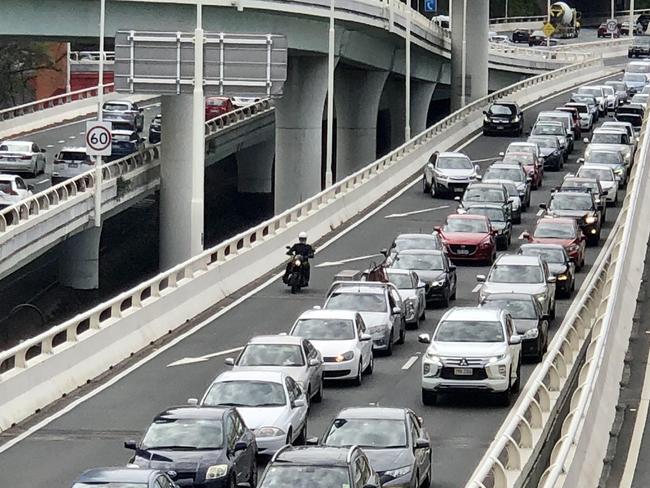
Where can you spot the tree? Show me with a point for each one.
(19, 63)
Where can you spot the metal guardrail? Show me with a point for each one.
(90, 57)
(48, 200)
(512, 20)
(561, 56)
(34, 350)
(513, 452)
(45, 103)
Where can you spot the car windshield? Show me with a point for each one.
(307, 476)
(545, 142)
(639, 98)
(271, 355)
(11, 146)
(475, 226)
(419, 261)
(494, 214)
(549, 255)
(583, 109)
(548, 129)
(512, 174)
(636, 68)
(497, 109)
(241, 393)
(608, 138)
(447, 162)
(608, 90)
(519, 158)
(521, 148)
(598, 174)
(552, 118)
(591, 90)
(5, 186)
(473, 194)
(116, 107)
(367, 433)
(519, 309)
(571, 201)
(634, 77)
(73, 155)
(361, 302)
(188, 433)
(554, 230)
(324, 329)
(515, 273)
(603, 157)
(401, 280)
(110, 484)
(216, 102)
(588, 99)
(469, 331)
(416, 243)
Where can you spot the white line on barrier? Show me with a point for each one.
(414, 212)
(327, 264)
(412, 360)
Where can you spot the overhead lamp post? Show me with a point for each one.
(329, 157)
(548, 21)
(100, 103)
(463, 62)
(612, 16)
(407, 75)
(632, 23)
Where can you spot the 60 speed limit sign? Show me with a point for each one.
(98, 138)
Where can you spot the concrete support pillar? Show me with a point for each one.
(79, 260)
(255, 168)
(421, 94)
(394, 96)
(182, 170)
(356, 97)
(469, 34)
(299, 131)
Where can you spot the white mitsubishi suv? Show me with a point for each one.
(472, 349)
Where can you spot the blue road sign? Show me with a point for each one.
(430, 6)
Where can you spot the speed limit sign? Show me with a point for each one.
(98, 138)
(612, 26)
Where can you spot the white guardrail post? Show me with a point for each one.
(578, 350)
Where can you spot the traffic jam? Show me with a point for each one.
(527, 261)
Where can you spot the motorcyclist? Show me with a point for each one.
(303, 249)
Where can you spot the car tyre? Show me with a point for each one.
(453, 295)
(423, 315)
(503, 398)
(517, 384)
(425, 187)
(318, 397)
(231, 481)
(429, 397)
(389, 349)
(371, 365)
(446, 298)
(252, 476)
(358, 380)
(402, 335)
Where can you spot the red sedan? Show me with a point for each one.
(216, 106)
(564, 231)
(530, 163)
(469, 238)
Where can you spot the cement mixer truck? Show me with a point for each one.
(565, 19)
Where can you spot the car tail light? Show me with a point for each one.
(58, 161)
(25, 158)
(88, 162)
(9, 191)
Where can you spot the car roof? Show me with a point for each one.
(328, 314)
(580, 179)
(559, 220)
(517, 260)
(73, 149)
(117, 474)
(467, 216)
(509, 296)
(373, 412)
(595, 166)
(6, 176)
(551, 112)
(418, 236)
(275, 339)
(251, 375)
(549, 122)
(450, 154)
(123, 132)
(313, 455)
(542, 245)
(194, 412)
(416, 252)
(399, 271)
(472, 313)
(359, 287)
(486, 185)
(505, 165)
(599, 147)
(16, 141)
(521, 143)
(496, 206)
(128, 102)
(609, 130)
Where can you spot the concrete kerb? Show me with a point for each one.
(54, 375)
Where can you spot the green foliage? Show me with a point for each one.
(19, 62)
(516, 8)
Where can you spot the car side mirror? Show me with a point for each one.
(397, 310)
(480, 278)
(515, 339)
(316, 307)
(312, 441)
(369, 485)
(240, 446)
(299, 402)
(314, 362)
(529, 179)
(437, 228)
(130, 445)
(477, 168)
(424, 338)
(452, 267)
(30, 187)
(494, 232)
(586, 140)
(502, 154)
(365, 337)
(43, 150)
(603, 193)
(422, 444)
(484, 112)
(229, 362)
(525, 235)
(457, 198)
(542, 206)
(192, 401)
(581, 161)
(551, 279)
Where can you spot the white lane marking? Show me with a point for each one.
(83, 132)
(414, 212)
(637, 434)
(477, 288)
(72, 137)
(61, 141)
(412, 360)
(200, 359)
(42, 181)
(223, 353)
(49, 146)
(327, 264)
(484, 160)
(540, 212)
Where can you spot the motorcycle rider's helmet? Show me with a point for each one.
(302, 237)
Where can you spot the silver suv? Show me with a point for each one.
(521, 274)
(380, 306)
(449, 173)
(472, 349)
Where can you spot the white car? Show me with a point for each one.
(586, 117)
(599, 94)
(610, 96)
(13, 190)
(240, 102)
(341, 339)
(472, 349)
(294, 356)
(449, 173)
(412, 291)
(614, 139)
(22, 157)
(124, 110)
(271, 403)
(71, 162)
(605, 176)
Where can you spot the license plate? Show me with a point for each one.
(11, 160)
(463, 371)
(462, 251)
(73, 165)
(459, 190)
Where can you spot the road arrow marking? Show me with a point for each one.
(343, 261)
(414, 212)
(201, 359)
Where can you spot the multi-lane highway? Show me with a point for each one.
(91, 433)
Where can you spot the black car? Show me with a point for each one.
(481, 193)
(319, 467)
(593, 185)
(500, 220)
(434, 269)
(520, 35)
(552, 153)
(640, 47)
(528, 319)
(644, 20)
(503, 117)
(559, 264)
(155, 129)
(207, 447)
(397, 446)
(577, 203)
(120, 476)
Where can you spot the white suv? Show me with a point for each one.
(472, 349)
(71, 162)
(449, 173)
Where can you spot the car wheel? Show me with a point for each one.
(34, 171)
(429, 397)
(551, 313)
(358, 380)
(301, 440)
(402, 334)
(318, 397)
(427, 481)
(517, 220)
(231, 482)
(423, 315)
(289, 436)
(517, 384)
(425, 187)
(252, 476)
(445, 299)
(503, 398)
(432, 192)
(389, 349)
(371, 365)
(453, 295)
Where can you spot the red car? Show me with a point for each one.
(216, 106)
(531, 164)
(564, 231)
(469, 238)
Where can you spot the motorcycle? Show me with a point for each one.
(294, 275)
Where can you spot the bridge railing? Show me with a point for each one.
(575, 354)
(90, 57)
(562, 56)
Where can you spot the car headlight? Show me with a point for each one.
(496, 359)
(531, 333)
(432, 357)
(591, 220)
(516, 119)
(375, 328)
(216, 471)
(541, 297)
(573, 248)
(563, 277)
(563, 140)
(399, 472)
(486, 118)
(269, 432)
(440, 176)
(437, 283)
(346, 356)
(297, 262)
(485, 245)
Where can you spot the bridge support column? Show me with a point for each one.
(182, 170)
(421, 94)
(356, 96)
(255, 168)
(299, 131)
(469, 34)
(394, 96)
(79, 260)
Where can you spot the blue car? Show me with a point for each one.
(125, 143)
(120, 477)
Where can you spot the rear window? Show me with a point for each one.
(11, 146)
(73, 156)
(5, 186)
(498, 109)
(116, 107)
(216, 102)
